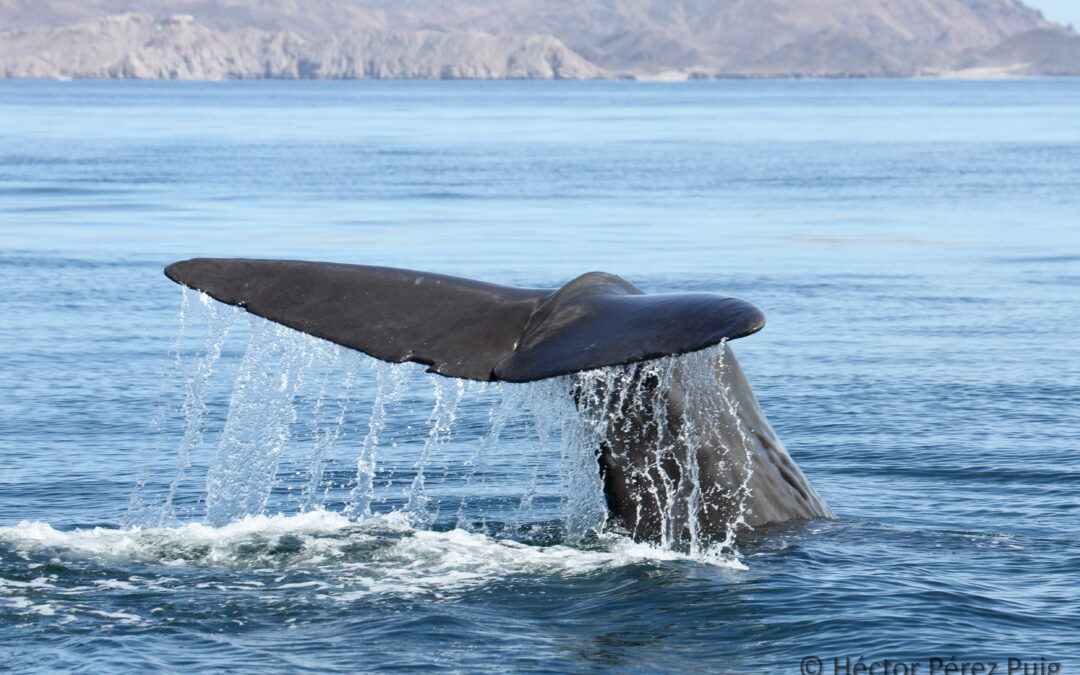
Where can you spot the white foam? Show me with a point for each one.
(454, 561)
(18, 603)
(318, 554)
(193, 542)
(116, 585)
(383, 554)
(304, 584)
(120, 616)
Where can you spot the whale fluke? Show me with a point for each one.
(471, 329)
(685, 454)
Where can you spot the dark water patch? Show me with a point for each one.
(89, 207)
(1041, 260)
(55, 191)
(34, 259)
(1070, 281)
(1062, 480)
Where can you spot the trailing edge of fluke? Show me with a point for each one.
(471, 329)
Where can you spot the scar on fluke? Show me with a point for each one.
(684, 462)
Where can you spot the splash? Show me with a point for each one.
(318, 556)
(312, 427)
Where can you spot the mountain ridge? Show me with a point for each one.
(529, 39)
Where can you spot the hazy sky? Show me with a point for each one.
(1062, 11)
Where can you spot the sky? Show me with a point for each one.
(1062, 11)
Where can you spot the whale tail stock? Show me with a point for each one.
(471, 329)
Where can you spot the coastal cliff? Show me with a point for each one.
(529, 39)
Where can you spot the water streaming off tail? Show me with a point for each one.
(261, 414)
(440, 424)
(675, 405)
(195, 373)
(312, 426)
(391, 384)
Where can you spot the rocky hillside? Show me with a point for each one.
(666, 39)
(140, 46)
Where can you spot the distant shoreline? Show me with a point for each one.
(997, 44)
(952, 77)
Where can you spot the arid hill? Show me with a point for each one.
(665, 39)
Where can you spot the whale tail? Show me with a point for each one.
(471, 329)
(689, 462)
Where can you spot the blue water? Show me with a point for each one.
(915, 246)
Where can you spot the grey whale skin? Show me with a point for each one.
(475, 330)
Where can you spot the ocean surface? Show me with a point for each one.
(184, 487)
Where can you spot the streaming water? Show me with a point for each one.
(293, 401)
(391, 383)
(440, 425)
(324, 433)
(193, 409)
(620, 405)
